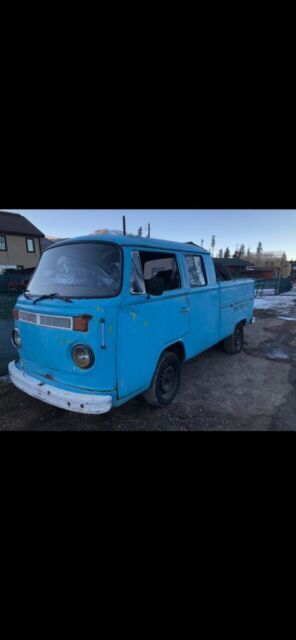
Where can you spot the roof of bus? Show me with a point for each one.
(135, 241)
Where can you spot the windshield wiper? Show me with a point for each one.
(50, 297)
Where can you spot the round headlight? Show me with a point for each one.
(83, 356)
(16, 338)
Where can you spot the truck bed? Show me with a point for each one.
(236, 304)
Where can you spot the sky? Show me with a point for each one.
(275, 229)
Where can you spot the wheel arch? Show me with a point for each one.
(177, 348)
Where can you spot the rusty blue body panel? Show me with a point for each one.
(137, 328)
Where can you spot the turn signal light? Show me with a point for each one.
(15, 314)
(81, 323)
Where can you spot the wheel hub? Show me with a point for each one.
(167, 380)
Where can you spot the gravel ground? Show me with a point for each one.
(251, 391)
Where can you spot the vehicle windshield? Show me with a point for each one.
(82, 270)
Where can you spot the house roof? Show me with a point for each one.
(268, 268)
(232, 262)
(17, 225)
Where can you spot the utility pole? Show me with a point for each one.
(124, 225)
(278, 284)
(149, 230)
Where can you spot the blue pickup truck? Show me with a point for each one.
(107, 318)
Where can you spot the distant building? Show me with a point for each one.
(275, 259)
(47, 242)
(293, 270)
(263, 273)
(19, 242)
(235, 266)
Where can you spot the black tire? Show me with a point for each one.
(166, 381)
(235, 343)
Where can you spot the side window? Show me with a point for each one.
(30, 245)
(161, 265)
(137, 285)
(147, 265)
(196, 271)
(3, 246)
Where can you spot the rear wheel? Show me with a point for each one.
(235, 343)
(166, 381)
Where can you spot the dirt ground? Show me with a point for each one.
(252, 391)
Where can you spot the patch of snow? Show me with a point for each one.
(290, 293)
(291, 319)
(266, 292)
(275, 302)
(278, 355)
(4, 379)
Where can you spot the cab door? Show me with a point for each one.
(204, 303)
(147, 324)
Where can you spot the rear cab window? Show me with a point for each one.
(147, 265)
(196, 271)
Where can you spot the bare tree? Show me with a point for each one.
(283, 264)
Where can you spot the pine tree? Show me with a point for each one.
(227, 253)
(242, 250)
(140, 232)
(221, 253)
(213, 244)
(259, 249)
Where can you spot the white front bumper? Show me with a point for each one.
(75, 402)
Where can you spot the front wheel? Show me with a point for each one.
(235, 343)
(166, 381)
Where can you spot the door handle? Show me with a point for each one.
(185, 310)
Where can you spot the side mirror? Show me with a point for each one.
(155, 286)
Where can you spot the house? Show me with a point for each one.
(19, 242)
(237, 267)
(263, 273)
(293, 270)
